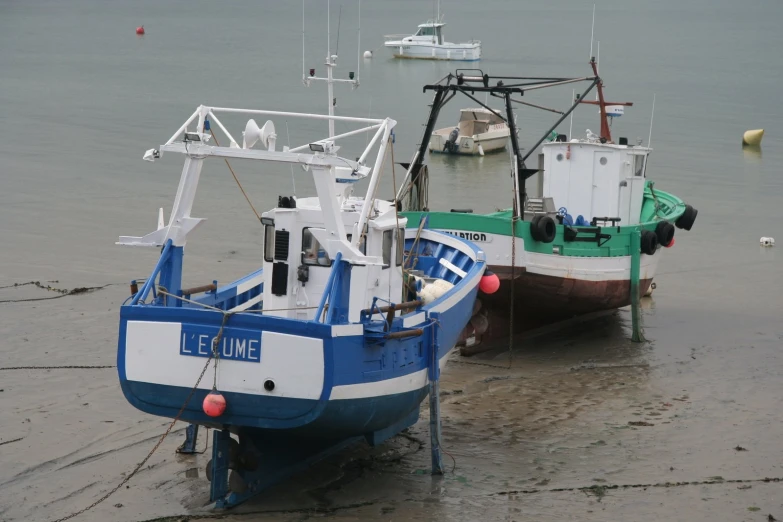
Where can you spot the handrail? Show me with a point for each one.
(327, 288)
(164, 256)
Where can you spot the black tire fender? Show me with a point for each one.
(665, 232)
(687, 218)
(534, 228)
(649, 242)
(546, 229)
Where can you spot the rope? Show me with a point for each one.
(215, 343)
(153, 450)
(235, 178)
(216, 309)
(513, 280)
(56, 367)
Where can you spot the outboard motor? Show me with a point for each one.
(451, 143)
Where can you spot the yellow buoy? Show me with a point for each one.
(753, 137)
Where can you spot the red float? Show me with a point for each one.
(671, 244)
(214, 403)
(140, 29)
(489, 283)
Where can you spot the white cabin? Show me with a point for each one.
(594, 179)
(297, 267)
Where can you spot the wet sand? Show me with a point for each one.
(584, 424)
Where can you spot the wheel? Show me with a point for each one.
(546, 229)
(649, 242)
(665, 233)
(687, 218)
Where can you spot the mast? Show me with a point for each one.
(606, 134)
(331, 63)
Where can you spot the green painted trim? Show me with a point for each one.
(669, 208)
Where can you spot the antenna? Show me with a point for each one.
(331, 63)
(649, 138)
(571, 125)
(339, 19)
(592, 32)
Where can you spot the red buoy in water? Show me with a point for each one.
(140, 29)
(214, 404)
(489, 283)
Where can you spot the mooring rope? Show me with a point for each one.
(236, 178)
(215, 343)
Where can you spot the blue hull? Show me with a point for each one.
(354, 384)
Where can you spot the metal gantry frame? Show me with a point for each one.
(471, 81)
(323, 164)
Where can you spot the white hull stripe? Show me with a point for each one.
(406, 383)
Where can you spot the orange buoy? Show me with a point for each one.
(214, 404)
(489, 283)
(140, 29)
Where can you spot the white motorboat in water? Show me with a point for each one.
(478, 131)
(428, 44)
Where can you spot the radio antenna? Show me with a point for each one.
(592, 32)
(649, 138)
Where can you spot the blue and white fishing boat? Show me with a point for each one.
(338, 336)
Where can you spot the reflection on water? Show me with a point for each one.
(752, 153)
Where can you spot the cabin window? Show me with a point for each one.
(638, 166)
(312, 251)
(559, 157)
(400, 246)
(269, 243)
(603, 160)
(362, 244)
(388, 239)
(426, 31)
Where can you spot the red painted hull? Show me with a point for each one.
(540, 300)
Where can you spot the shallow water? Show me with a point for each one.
(82, 98)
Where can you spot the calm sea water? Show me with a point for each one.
(82, 97)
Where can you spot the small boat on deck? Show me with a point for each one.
(339, 334)
(428, 44)
(479, 131)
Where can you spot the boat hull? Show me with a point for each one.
(454, 52)
(305, 378)
(469, 145)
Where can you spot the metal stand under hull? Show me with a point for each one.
(241, 471)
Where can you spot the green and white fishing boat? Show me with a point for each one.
(571, 253)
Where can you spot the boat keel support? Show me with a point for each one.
(191, 435)
(637, 335)
(252, 471)
(434, 377)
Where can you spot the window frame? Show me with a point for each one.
(400, 247)
(320, 247)
(386, 258)
(269, 244)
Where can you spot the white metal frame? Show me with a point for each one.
(323, 166)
